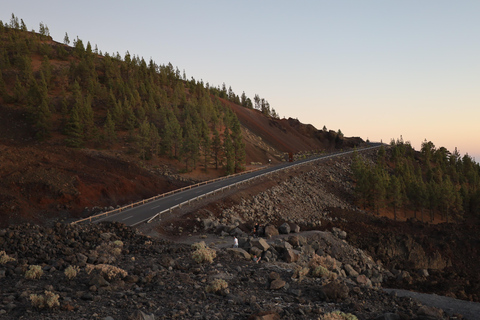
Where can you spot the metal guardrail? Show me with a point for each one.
(163, 195)
(249, 179)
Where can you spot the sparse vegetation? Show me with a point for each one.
(5, 258)
(338, 315)
(300, 272)
(49, 300)
(71, 272)
(320, 271)
(217, 285)
(109, 271)
(34, 272)
(202, 253)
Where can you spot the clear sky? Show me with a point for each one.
(373, 69)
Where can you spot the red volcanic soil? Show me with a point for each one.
(47, 179)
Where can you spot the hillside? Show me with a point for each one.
(81, 131)
(322, 259)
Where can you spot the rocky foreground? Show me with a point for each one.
(109, 271)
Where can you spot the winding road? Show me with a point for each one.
(135, 215)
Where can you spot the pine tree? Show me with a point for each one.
(380, 181)
(43, 120)
(229, 151)
(143, 142)
(190, 143)
(238, 144)
(395, 195)
(109, 129)
(205, 142)
(216, 147)
(154, 140)
(19, 91)
(74, 130)
(177, 135)
(66, 39)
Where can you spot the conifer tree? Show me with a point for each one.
(216, 147)
(66, 39)
(19, 91)
(190, 143)
(395, 195)
(74, 130)
(238, 144)
(205, 142)
(143, 142)
(154, 140)
(177, 136)
(43, 120)
(229, 151)
(166, 144)
(109, 129)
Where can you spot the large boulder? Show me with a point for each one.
(290, 255)
(284, 228)
(294, 228)
(271, 231)
(277, 284)
(260, 243)
(239, 253)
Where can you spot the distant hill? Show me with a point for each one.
(79, 128)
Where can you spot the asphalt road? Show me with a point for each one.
(142, 213)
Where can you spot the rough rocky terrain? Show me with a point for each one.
(125, 275)
(306, 219)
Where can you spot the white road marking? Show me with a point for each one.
(127, 218)
(155, 207)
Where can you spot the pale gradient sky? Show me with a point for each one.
(374, 69)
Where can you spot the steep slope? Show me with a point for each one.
(287, 135)
(80, 130)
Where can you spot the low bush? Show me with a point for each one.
(217, 285)
(49, 300)
(320, 272)
(4, 257)
(300, 272)
(107, 270)
(203, 253)
(34, 272)
(71, 272)
(338, 315)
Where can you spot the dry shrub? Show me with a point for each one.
(338, 315)
(118, 243)
(217, 285)
(320, 271)
(107, 270)
(71, 272)
(203, 253)
(327, 262)
(108, 252)
(4, 257)
(34, 272)
(49, 300)
(199, 245)
(300, 272)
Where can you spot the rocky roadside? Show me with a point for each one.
(109, 271)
